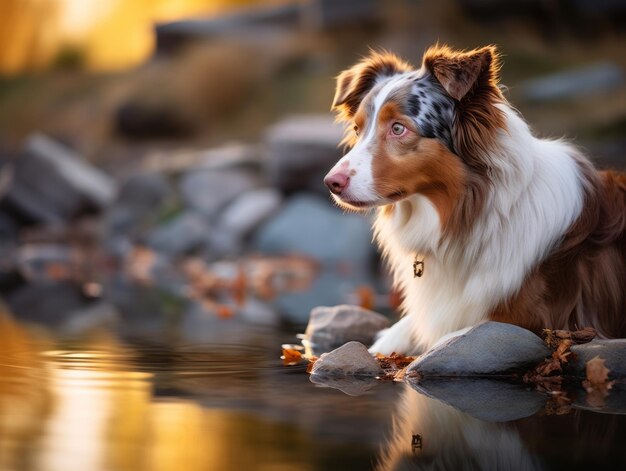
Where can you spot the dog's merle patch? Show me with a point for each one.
(432, 110)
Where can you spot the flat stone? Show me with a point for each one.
(613, 351)
(486, 399)
(330, 327)
(351, 359)
(491, 348)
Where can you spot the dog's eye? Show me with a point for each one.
(356, 130)
(397, 129)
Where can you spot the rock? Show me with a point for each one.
(51, 184)
(50, 304)
(486, 399)
(341, 243)
(613, 351)
(491, 348)
(351, 359)
(138, 204)
(330, 327)
(350, 385)
(301, 150)
(311, 226)
(186, 233)
(248, 211)
(592, 78)
(93, 184)
(209, 191)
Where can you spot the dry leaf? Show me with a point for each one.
(291, 356)
(312, 361)
(597, 383)
(597, 372)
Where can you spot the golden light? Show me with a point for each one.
(107, 35)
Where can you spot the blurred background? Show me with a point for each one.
(161, 198)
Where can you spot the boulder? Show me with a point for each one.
(186, 233)
(486, 399)
(208, 191)
(138, 204)
(341, 243)
(51, 184)
(491, 348)
(301, 150)
(248, 211)
(351, 359)
(612, 351)
(330, 327)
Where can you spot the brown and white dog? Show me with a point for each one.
(509, 227)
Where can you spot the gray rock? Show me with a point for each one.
(51, 184)
(351, 359)
(613, 351)
(301, 150)
(330, 327)
(90, 182)
(209, 191)
(310, 226)
(248, 211)
(185, 233)
(138, 204)
(574, 83)
(485, 399)
(491, 348)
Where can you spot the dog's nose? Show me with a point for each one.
(337, 182)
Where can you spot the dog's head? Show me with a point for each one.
(415, 131)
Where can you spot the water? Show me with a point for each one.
(100, 402)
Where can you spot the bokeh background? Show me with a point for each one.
(179, 145)
(163, 217)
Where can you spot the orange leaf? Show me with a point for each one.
(309, 367)
(291, 356)
(597, 372)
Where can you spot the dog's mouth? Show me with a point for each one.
(364, 205)
(354, 204)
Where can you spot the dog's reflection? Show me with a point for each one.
(428, 434)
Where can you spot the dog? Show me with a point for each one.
(477, 218)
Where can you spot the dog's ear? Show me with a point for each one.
(354, 83)
(460, 73)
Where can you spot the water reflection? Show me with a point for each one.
(96, 404)
(428, 434)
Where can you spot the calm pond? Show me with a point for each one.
(157, 401)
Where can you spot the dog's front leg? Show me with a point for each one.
(398, 338)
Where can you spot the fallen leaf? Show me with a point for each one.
(312, 361)
(597, 372)
(291, 356)
(597, 383)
